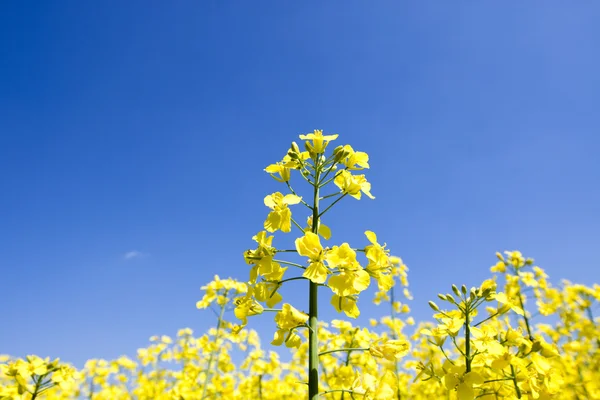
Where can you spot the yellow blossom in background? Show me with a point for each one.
(463, 383)
(390, 349)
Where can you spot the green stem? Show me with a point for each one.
(331, 205)
(330, 195)
(349, 349)
(41, 386)
(338, 391)
(289, 263)
(260, 391)
(37, 387)
(497, 380)
(292, 279)
(467, 343)
(294, 193)
(348, 355)
(516, 273)
(514, 379)
(446, 355)
(313, 339)
(487, 319)
(331, 167)
(525, 315)
(330, 179)
(284, 281)
(297, 225)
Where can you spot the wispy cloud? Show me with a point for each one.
(130, 255)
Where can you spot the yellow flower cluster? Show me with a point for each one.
(486, 344)
(515, 336)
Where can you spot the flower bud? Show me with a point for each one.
(455, 290)
(450, 298)
(310, 149)
(338, 150)
(434, 306)
(473, 293)
(463, 289)
(339, 153)
(295, 147)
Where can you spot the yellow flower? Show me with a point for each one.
(341, 257)
(352, 278)
(34, 366)
(262, 256)
(267, 292)
(438, 333)
(345, 304)
(310, 246)
(288, 319)
(372, 388)
(65, 377)
(246, 307)
(280, 169)
(380, 265)
(452, 325)
(457, 379)
(349, 282)
(502, 361)
(354, 185)
(281, 216)
(486, 340)
(515, 258)
(390, 349)
(319, 141)
(271, 271)
(507, 304)
(500, 266)
(354, 160)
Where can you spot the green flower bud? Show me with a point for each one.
(455, 290)
(434, 306)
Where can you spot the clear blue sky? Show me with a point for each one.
(144, 127)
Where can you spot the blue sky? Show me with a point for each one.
(144, 127)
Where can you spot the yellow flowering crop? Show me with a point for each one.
(514, 336)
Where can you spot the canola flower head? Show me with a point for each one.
(316, 142)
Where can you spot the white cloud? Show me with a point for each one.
(133, 254)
